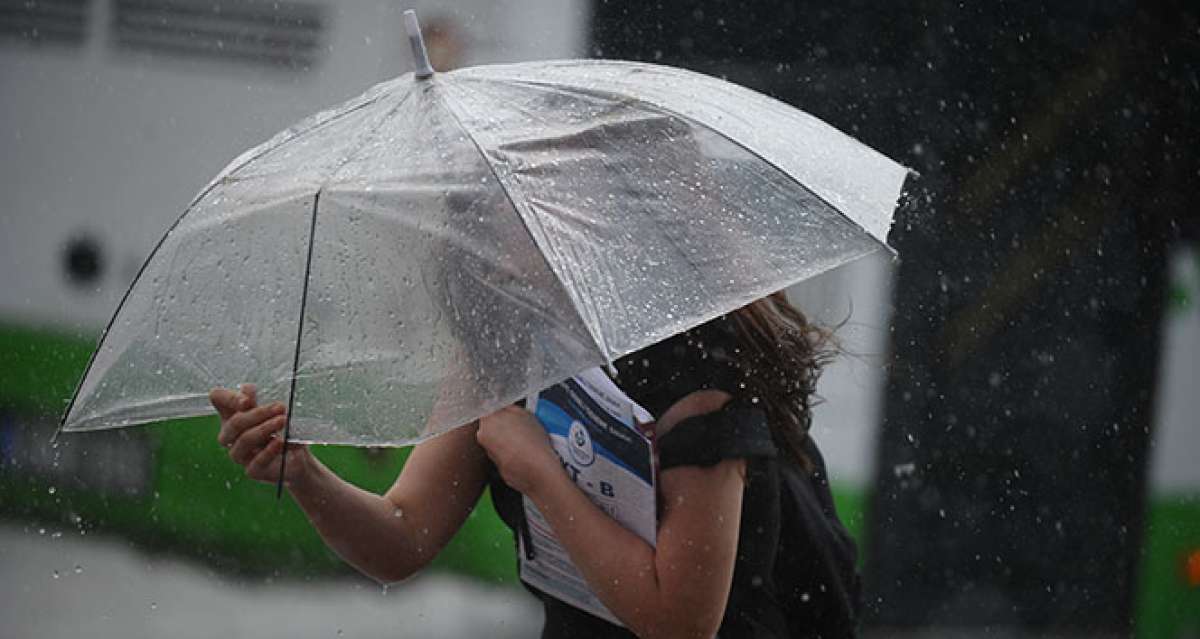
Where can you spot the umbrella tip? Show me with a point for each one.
(420, 56)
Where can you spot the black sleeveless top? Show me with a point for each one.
(795, 571)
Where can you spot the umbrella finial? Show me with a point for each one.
(420, 56)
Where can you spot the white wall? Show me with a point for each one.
(1175, 456)
(97, 141)
(846, 424)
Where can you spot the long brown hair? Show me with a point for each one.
(781, 356)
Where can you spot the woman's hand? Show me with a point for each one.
(388, 538)
(519, 447)
(251, 434)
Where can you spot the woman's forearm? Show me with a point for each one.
(386, 537)
(677, 588)
(617, 564)
(390, 537)
(368, 531)
(636, 582)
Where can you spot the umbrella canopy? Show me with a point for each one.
(445, 244)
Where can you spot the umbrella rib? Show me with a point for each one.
(596, 335)
(112, 320)
(312, 233)
(788, 176)
(366, 139)
(656, 106)
(287, 428)
(267, 147)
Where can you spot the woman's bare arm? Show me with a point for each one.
(387, 537)
(680, 587)
(677, 589)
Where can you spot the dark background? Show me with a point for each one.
(1056, 147)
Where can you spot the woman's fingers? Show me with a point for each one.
(232, 428)
(250, 393)
(250, 432)
(255, 439)
(262, 465)
(225, 401)
(255, 416)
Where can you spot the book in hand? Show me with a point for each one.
(596, 429)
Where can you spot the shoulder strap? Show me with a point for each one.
(737, 430)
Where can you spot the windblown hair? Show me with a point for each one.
(781, 357)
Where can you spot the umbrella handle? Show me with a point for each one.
(420, 56)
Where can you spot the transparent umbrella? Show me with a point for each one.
(447, 243)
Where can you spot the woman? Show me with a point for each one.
(748, 542)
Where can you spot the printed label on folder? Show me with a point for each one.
(595, 429)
